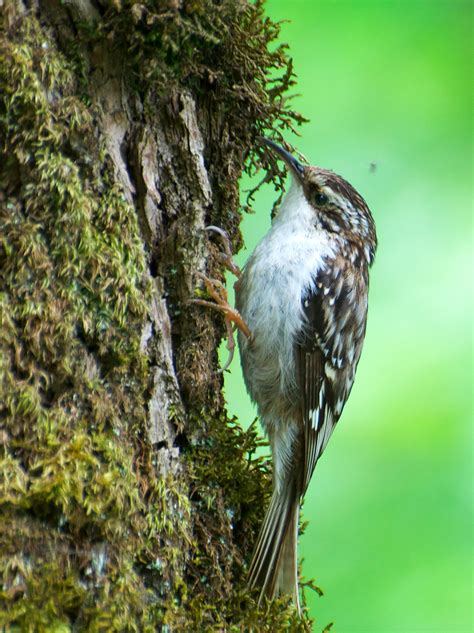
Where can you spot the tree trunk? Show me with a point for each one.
(129, 501)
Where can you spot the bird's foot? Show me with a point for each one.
(233, 318)
(219, 296)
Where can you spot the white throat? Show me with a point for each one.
(295, 208)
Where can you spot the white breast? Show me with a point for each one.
(283, 266)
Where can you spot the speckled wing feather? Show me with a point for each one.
(328, 351)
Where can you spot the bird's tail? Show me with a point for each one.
(274, 562)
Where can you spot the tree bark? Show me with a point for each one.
(128, 500)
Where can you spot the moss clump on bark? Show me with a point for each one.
(92, 536)
(224, 53)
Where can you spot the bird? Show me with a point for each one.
(301, 314)
(303, 294)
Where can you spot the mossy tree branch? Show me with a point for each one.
(128, 500)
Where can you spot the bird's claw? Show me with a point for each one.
(219, 296)
(218, 292)
(225, 257)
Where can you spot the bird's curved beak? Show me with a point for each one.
(294, 165)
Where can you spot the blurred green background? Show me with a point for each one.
(389, 507)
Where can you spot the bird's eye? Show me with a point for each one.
(321, 199)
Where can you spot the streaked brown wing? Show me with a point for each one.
(314, 407)
(327, 355)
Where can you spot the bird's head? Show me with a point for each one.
(338, 208)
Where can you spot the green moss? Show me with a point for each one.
(73, 381)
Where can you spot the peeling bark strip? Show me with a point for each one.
(128, 500)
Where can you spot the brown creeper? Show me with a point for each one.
(303, 296)
(301, 314)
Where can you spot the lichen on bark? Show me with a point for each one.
(128, 500)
